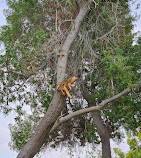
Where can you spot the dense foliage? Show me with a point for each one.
(102, 56)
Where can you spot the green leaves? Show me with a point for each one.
(20, 133)
(118, 152)
(40, 36)
(135, 146)
(116, 67)
(108, 60)
(46, 99)
(90, 134)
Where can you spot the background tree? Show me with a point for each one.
(102, 57)
(133, 141)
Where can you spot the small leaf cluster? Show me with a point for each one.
(115, 67)
(90, 134)
(134, 141)
(20, 133)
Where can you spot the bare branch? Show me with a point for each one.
(90, 109)
(106, 34)
(14, 72)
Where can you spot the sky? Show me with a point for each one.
(137, 13)
(5, 151)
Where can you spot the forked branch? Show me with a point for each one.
(90, 109)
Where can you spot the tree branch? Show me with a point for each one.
(90, 109)
(106, 34)
(14, 72)
(62, 61)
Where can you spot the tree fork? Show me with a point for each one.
(89, 109)
(40, 135)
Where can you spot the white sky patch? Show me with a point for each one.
(2, 22)
(135, 7)
(2, 7)
(5, 151)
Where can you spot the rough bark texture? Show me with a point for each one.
(62, 61)
(104, 135)
(41, 133)
(45, 125)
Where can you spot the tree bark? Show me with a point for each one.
(104, 135)
(41, 133)
(101, 128)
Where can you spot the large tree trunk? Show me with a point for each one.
(101, 128)
(41, 133)
(104, 135)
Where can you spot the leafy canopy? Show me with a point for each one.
(102, 57)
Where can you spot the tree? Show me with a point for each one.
(133, 141)
(38, 44)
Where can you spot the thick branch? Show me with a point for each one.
(62, 61)
(90, 109)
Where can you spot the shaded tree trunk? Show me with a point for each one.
(101, 128)
(104, 135)
(40, 135)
